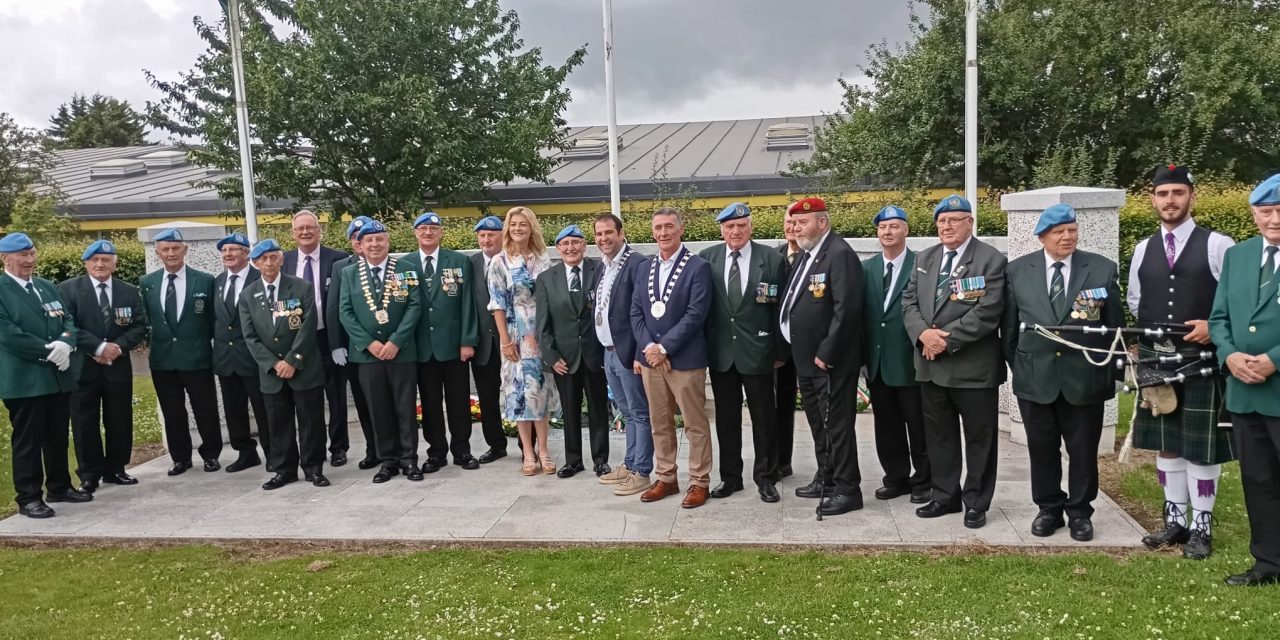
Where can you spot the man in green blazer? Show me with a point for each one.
(278, 318)
(1245, 326)
(890, 358)
(446, 339)
(179, 301)
(380, 309)
(743, 348)
(1061, 395)
(339, 341)
(36, 340)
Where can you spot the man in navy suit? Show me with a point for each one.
(314, 264)
(669, 310)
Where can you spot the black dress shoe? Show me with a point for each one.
(338, 459)
(211, 465)
(89, 486)
(769, 492)
(491, 455)
(814, 490)
(179, 468)
(921, 496)
(1250, 578)
(1081, 529)
(467, 462)
(974, 519)
(784, 471)
(601, 469)
(569, 470)
(1046, 523)
(241, 463)
(70, 495)
(432, 465)
(841, 503)
(119, 478)
(889, 493)
(368, 463)
(1172, 534)
(279, 480)
(935, 509)
(384, 474)
(725, 489)
(412, 473)
(318, 479)
(37, 509)
(1199, 545)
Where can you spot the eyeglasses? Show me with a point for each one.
(950, 222)
(310, 227)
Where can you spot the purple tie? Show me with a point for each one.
(1169, 249)
(311, 278)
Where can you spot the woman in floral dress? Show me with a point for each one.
(528, 397)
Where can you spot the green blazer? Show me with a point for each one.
(890, 355)
(25, 327)
(746, 337)
(361, 323)
(271, 339)
(448, 312)
(1043, 369)
(1241, 322)
(566, 330)
(187, 346)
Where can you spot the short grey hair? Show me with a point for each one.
(670, 211)
(306, 212)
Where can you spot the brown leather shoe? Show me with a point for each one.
(660, 490)
(695, 497)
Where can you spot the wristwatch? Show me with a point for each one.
(662, 349)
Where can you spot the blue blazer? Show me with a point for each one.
(681, 329)
(636, 266)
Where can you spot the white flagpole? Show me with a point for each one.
(242, 120)
(971, 107)
(615, 197)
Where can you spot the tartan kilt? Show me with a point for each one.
(1192, 430)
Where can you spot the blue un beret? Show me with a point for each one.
(890, 212)
(264, 246)
(734, 211)
(15, 242)
(356, 223)
(235, 238)
(489, 223)
(169, 235)
(1054, 216)
(571, 231)
(99, 246)
(429, 217)
(952, 204)
(1267, 193)
(369, 228)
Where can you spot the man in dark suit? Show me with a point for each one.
(952, 310)
(179, 300)
(232, 363)
(1060, 393)
(820, 317)
(36, 347)
(743, 348)
(669, 310)
(891, 373)
(339, 342)
(110, 322)
(278, 314)
(314, 264)
(486, 364)
(785, 376)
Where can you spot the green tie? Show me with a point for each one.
(1267, 278)
(735, 280)
(575, 287)
(944, 276)
(1057, 291)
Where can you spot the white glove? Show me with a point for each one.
(59, 354)
(340, 357)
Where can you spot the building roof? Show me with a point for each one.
(721, 158)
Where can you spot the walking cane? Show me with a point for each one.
(826, 432)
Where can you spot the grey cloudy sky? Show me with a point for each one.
(675, 60)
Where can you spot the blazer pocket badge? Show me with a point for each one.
(124, 316)
(766, 293)
(818, 285)
(969, 289)
(199, 302)
(1088, 304)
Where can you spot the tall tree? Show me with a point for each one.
(24, 161)
(1078, 91)
(100, 121)
(373, 106)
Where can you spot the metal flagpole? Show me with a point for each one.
(242, 119)
(971, 107)
(615, 198)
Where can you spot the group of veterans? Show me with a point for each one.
(933, 333)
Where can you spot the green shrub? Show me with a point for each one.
(60, 261)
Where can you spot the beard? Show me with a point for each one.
(808, 244)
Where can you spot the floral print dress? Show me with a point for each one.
(528, 393)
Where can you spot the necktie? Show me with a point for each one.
(888, 279)
(32, 290)
(1267, 278)
(575, 287)
(306, 272)
(1057, 291)
(944, 276)
(735, 280)
(428, 269)
(1170, 249)
(377, 278)
(271, 294)
(230, 299)
(792, 291)
(171, 301)
(104, 302)
(791, 258)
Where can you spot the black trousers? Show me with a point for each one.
(173, 388)
(572, 387)
(335, 396)
(238, 393)
(443, 384)
(1258, 443)
(40, 427)
(107, 404)
(362, 412)
(945, 409)
(389, 387)
(900, 440)
(1048, 426)
(488, 378)
(833, 435)
(727, 388)
(303, 444)
(785, 404)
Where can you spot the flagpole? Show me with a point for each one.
(242, 119)
(971, 106)
(615, 197)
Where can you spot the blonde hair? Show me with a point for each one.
(537, 246)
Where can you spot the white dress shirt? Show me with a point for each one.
(604, 295)
(435, 260)
(897, 273)
(665, 267)
(744, 265)
(1274, 260)
(241, 276)
(97, 292)
(1218, 245)
(179, 285)
(1048, 272)
(784, 317)
(582, 275)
